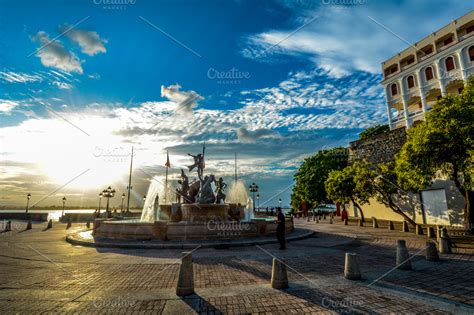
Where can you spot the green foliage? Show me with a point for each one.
(372, 131)
(443, 142)
(312, 174)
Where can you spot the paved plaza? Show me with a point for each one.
(41, 272)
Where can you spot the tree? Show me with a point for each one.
(341, 187)
(372, 131)
(312, 174)
(442, 143)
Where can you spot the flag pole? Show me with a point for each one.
(235, 168)
(166, 175)
(129, 187)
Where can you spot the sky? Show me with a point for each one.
(81, 82)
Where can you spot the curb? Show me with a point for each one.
(72, 240)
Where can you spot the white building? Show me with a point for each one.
(437, 65)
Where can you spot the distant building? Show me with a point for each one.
(437, 65)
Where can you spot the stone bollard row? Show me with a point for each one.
(186, 275)
(375, 224)
(402, 256)
(279, 276)
(405, 227)
(444, 242)
(431, 251)
(351, 267)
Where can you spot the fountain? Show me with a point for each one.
(201, 210)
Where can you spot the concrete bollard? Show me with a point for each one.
(330, 220)
(390, 226)
(402, 256)
(324, 217)
(307, 219)
(50, 224)
(88, 224)
(375, 224)
(418, 230)
(430, 232)
(186, 275)
(279, 276)
(314, 218)
(351, 267)
(444, 243)
(8, 226)
(317, 220)
(361, 223)
(431, 251)
(29, 225)
(405, 227)
(69, 223)
(346, 222)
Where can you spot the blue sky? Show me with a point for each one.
(298, 76)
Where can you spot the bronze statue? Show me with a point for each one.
(206, 195)
(220, 187)
(184, 182)
(198, 162)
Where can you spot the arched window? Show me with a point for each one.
(471, 53)
(449, 63)
(411, 82)
(394, 89)
(429, 73)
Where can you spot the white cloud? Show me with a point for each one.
(53, 54)
(62, 85)
(245, 135)
(186, 100)
(89, 41)
(345, 39)
(7, 106)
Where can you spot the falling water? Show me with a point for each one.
(238, 194)
(148, 213)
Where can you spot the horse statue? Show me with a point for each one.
(206, 195)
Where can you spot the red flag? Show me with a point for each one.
(167, 164)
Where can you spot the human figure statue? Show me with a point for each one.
(206, 195)
(183, 191)
(220, 187)
(198, 162)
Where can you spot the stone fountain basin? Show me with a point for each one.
(184, 230)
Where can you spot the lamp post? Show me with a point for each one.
(108, 193)
(123, 197)
(279, 202)
(27, 201)
(64, 205)
(100, 199)
(253, 189)
(144, 198)
(258, 202)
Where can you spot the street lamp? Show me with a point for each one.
(144, 198)
(123, 197)
(258, 202)
(64, 205)
(253, 189)
(108, 193)
(27, 201)
(100, 199)
(279, 202)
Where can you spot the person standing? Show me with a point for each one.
(280, 228)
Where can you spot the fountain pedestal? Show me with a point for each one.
(193, 212)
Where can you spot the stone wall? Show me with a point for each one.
(379, 148)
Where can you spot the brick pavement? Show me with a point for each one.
(71, 279)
